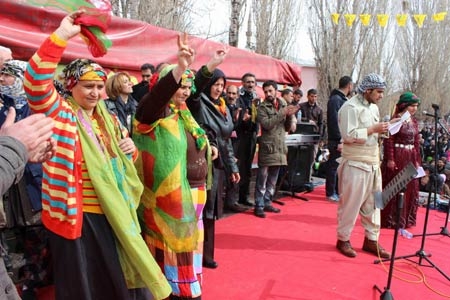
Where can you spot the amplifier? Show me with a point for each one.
(301, 139)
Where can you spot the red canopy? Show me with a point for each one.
(23, 28)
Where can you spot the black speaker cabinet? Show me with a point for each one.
(297, 177)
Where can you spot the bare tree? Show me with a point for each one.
(410, 58)
(348, 50)
(171, 14)
(276, 23)
(424, 54)
(236, 19)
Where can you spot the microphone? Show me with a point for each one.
(428, 114)
(385, 135)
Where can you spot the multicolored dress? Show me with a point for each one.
(173, 167)
(90, 193)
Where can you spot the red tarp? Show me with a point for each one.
(23, 28)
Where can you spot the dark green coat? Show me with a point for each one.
(272, 148)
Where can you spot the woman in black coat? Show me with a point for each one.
(211, 112)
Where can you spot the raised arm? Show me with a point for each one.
(152, 106)
(38, 83)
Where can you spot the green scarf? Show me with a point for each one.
(118, 189)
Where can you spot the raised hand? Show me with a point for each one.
(217, 58)
(67, 29)
(185, 52)
(185, 57)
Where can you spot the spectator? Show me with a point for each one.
(211, 112)
(232, 188)
(121, 103)
(231, 99)
(25, 196)
(246, 131)
(142, 88)
(275, 117)
(155, 75)
(27, 140)
(287, 95)
(5, 55)
(297, 95)
(313, 114)
(337, 99)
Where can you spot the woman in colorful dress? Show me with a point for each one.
(400, 149)
(174, 159)
(90, 188)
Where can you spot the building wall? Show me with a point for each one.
(309, 79)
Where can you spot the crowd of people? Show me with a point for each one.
(131, 184)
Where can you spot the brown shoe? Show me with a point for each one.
(345, 248)
(375, 248)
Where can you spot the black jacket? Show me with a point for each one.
(211, 119)
(140, 89)
(245, 103)
(337, 99)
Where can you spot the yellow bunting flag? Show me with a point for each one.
(335, 18)
(419, 20)
(349, 19)
(365, 19)
(383, 19)
(401, 20)
(439, 16)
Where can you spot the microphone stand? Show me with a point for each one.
(387, 294)
(421, 254)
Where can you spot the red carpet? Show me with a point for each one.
(292, 255)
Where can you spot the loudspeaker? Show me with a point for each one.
(299, 159)
(306, 128)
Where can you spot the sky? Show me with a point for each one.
(212, 19)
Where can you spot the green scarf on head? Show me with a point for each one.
(118, 189)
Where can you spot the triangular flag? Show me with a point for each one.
(382, 19)
(349, 19)
(401, 20)
(365, 19)
(419, 20)
(335, 18)
(440, 16)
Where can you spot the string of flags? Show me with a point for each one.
(383, 19)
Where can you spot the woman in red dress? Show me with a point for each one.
(400, 149)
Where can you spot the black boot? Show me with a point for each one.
(208, 244)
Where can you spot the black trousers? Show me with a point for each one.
(208, 243)
(245, 152)
(331, 180)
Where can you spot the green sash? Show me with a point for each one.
(118, 189)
